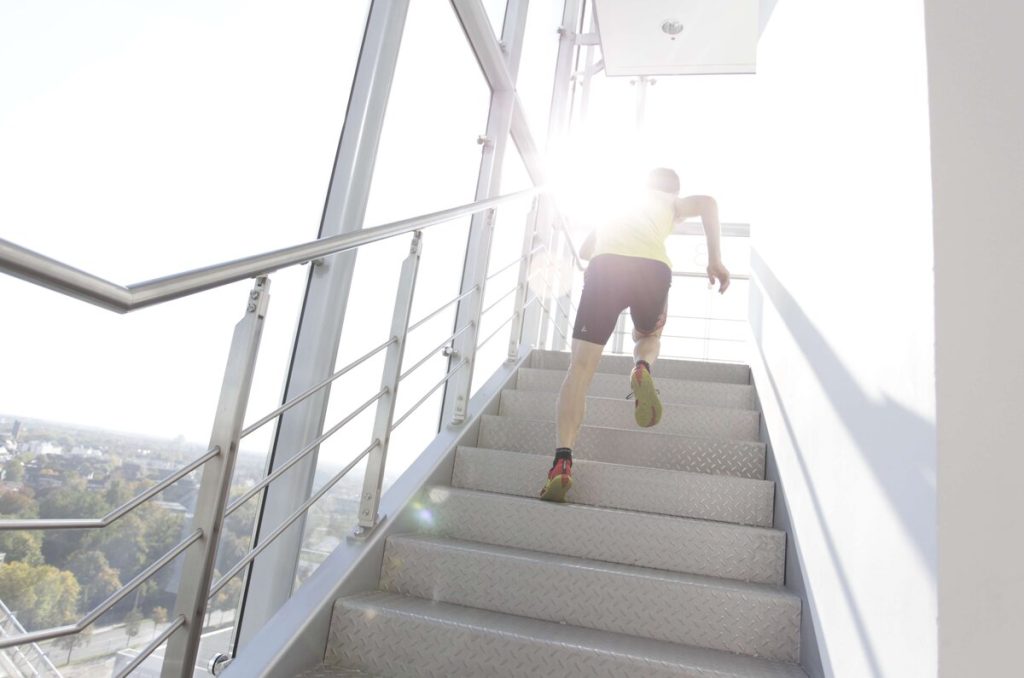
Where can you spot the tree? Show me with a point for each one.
(15, 471)
(19, 545)
(132, 625)
(81, 639)
(42, 595)
(97, 578)
(68, 502)
(18, 504)
(159, 617)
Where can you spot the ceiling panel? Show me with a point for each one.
(678, 37)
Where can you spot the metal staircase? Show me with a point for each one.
(665, 562)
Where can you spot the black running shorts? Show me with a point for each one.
(613, 283)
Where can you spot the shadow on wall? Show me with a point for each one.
(897, 444)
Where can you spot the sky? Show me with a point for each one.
(142, 139)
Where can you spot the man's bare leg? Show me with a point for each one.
(572, 404)
(572, 398)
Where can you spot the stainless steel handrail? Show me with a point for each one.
(432, 352)
(39, 269)
(120, 511)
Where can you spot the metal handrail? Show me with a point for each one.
(120, 511)
(41, 270)
(111, 601)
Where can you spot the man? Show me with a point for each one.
(629, 268)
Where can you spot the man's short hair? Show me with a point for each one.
(663, 179)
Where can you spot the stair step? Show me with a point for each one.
(604, 385)
(409, 637)
(687, 420)
(752, 619)
(692, 370)
(744, 459)
(744, 553)
(327, 671)
(678, 493)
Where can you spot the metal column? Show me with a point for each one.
(323, 312)
(501, 73)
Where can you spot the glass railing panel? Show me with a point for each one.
(428, 160)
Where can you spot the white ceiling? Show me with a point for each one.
(718, 36)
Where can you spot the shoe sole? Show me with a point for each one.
(647, 411)
(557, 488)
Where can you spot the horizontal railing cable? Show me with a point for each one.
(457, 299)
(120, 511)
(111, 601)
(151, 647)
(301, 454)
(514, 263)
(433, 352)
(428, 394)
(299, 398)
(288, 521)
(500, 299)
(496, 330)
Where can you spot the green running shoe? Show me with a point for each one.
(647, 410)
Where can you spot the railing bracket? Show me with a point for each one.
(360, 533)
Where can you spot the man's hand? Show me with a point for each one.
(718, 272)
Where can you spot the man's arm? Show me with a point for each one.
(705, 207)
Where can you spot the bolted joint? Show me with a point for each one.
(218, 663)
(485, 141)
(417, 243)
(449, 351)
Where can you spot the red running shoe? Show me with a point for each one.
(559, 481)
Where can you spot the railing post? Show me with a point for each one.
(516, 335)
(215, 486)
(563, 292)
(374, 477)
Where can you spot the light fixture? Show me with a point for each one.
(672, 27)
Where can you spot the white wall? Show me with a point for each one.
(842, 315)
(976, 82)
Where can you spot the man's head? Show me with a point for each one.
(663, 179)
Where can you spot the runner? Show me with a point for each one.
(629, 268)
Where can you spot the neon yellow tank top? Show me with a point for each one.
(641, 232)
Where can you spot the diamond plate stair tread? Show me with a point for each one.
(692, 370)
(688, 420)
(678, 391)
(756, 620)
(754, 554)
(740, 458)
(409, 637)
(677, 493)
(326, 671)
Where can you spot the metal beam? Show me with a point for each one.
(499, 122)
(316, 345)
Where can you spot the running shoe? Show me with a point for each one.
(559, 481)
(647, 410)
